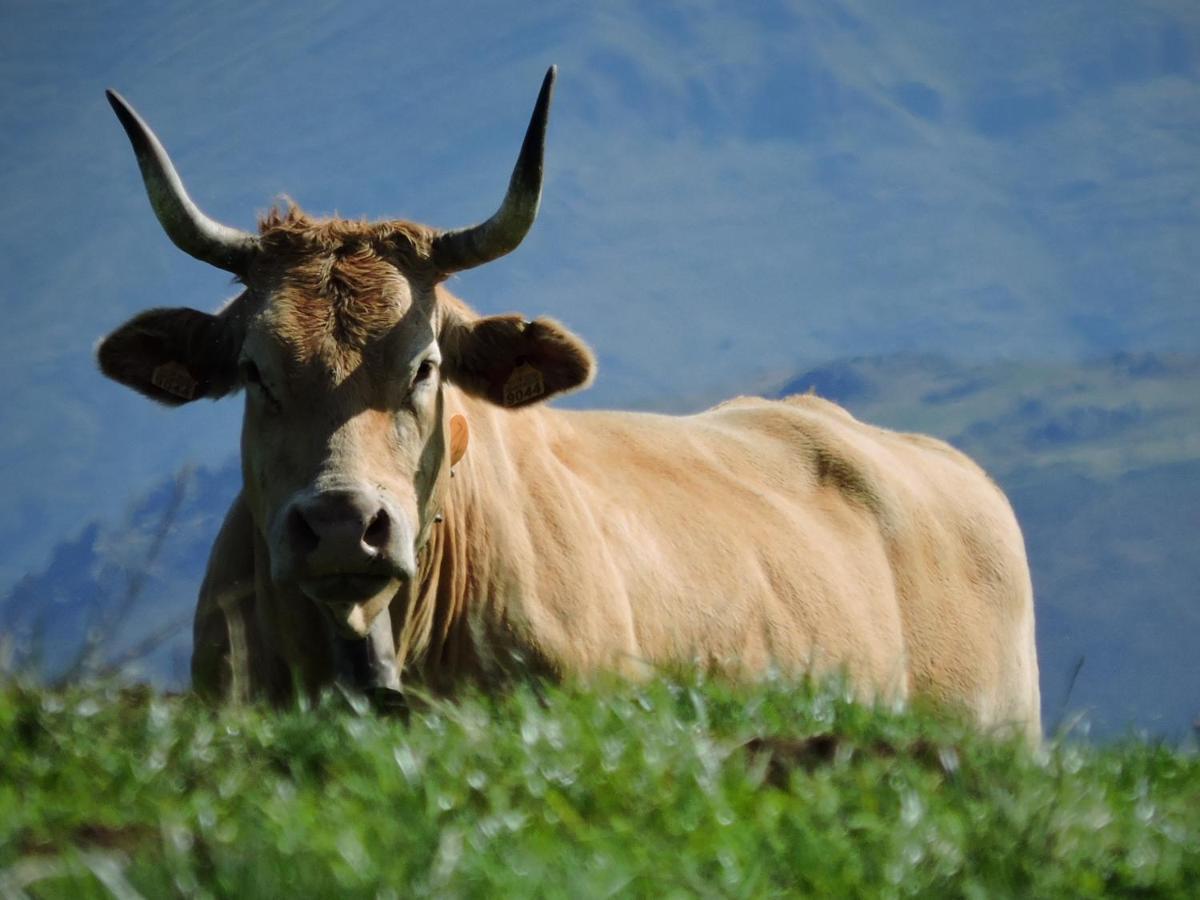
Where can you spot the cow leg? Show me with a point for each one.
(223, 636)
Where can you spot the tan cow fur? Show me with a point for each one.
(758, 534)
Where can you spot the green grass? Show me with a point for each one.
(620, 789)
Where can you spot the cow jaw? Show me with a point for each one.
(355, 617)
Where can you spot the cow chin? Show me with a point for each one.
(353, 602)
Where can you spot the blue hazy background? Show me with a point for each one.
(976, 219)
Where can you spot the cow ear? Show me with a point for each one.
(173, 356)
(513, 362)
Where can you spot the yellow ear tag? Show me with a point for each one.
(524, 384)
(173, 378)
(459, 435)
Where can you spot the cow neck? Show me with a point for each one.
(433, 641)
(452, 629)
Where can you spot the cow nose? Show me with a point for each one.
(342, 525)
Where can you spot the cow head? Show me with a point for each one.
(345, 344)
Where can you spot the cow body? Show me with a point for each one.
(759, 535)
(411, 508)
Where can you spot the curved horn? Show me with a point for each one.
(189, 229)
(465, 248)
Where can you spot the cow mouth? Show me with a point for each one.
(345, 589)
(353, 601)
(356, 610)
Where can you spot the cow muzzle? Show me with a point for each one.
(349, 550)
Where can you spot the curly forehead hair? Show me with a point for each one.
(334, 281)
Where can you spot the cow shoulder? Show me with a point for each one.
(821, 444)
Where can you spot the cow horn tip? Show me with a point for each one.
(548, 84)
(123, 109)
(115, 100)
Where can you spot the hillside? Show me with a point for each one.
(1101, 461)
(121, 584)
(730, 188)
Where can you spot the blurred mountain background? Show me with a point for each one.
(976, 220)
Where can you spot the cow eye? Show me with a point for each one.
(424, 370)
(250, 373)
(252, 376)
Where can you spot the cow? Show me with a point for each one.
(412, 509)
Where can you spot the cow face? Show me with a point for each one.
(345, 344)
(343, 441)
